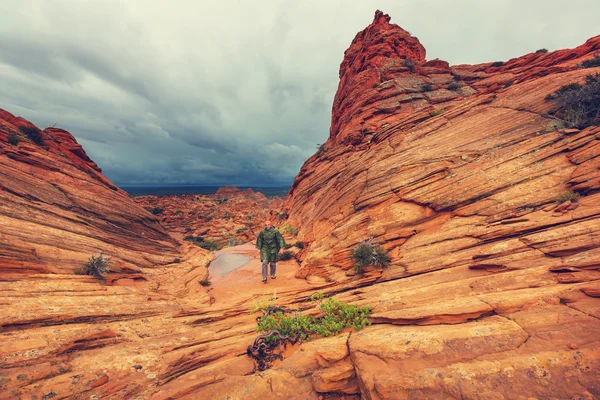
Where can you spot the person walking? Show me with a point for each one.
(269, 242)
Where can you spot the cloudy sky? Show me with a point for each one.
(230, 92)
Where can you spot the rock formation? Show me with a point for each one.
(492, 292)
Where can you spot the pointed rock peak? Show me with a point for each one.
(381, 18)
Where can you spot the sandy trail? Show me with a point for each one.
(236, 277)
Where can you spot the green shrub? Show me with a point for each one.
(579, 105)
(369, 254)
(33, 134)
(97, 266)
(335, 316)
(178, 212)
(286, 255)
(568, 195)
(288, 230)
(426, 87)
(201, 242)
(156, 210)
(299, 244)
(410, 64)
(13, 139)
(542, 51)
(457, 77)
(453, 86)
(205, 282)
(591, 63)
(498, 64)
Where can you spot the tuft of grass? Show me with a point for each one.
(97, 266)
(568, 195)
(334, 317)
(368, 254)
(13, 139)
(426, 87)
(205, 282)
(288, 230)
(286, 255)
(591, 63)
(453, 86)
(33, 134)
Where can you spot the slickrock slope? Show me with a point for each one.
(456, 170)
(230, 216)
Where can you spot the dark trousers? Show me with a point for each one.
(264, 269)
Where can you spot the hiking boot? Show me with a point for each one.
(264, 280)
(272, 276)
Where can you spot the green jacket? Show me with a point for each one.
(269, 242)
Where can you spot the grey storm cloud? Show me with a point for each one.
(230, 92)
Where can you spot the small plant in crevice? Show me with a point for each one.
(205, 282)
(178, 212)
(286, 255)
(299, 244)
(453, 86)
(97, 266)
(426, 87)
(320, 149)
(368, 253)
(568, 195)
(591, 63)
(33, 134)
(436, 112)
(579, 105)
(410, 64)
(288, 230)
(13, 139)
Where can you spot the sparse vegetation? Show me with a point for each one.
(555, 125)
(498, 64)
(334, 317)
(591, 63)
(286, 255)
(263, 302)
(178, 212)
(320, 149)
(205, 282)
(156, 210)
(241, 230)
(568, 195)
(427, 87)
(13, 139)
(410, 64)
(436, 112)
(368, 254)
(542, 51)
(33, 134)
(457, 77)
(288, 230)
(201, 242)
(176, 261)
(299, 244)
(508, 84)
(579, 105)
(97, 266)
(453, 86)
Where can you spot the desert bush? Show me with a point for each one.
(568, 195)
(288, 230)
(410, 64)
(367, 254)
(457, 77)
(97, 266)
(241, 230)
(156, 210)
(427, 87)
(591, 63)
(508, 84)
(579, 105)
(13, 139)
(299, 244)
(498, 64)
(33, 134)
(286, 255)
(436, 112)
(542, 51)
(201, 242)
(176, 261)
(334, 317)
(320, 149)
(205, 282)
(453, 86)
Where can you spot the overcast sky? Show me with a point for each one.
(230, 92)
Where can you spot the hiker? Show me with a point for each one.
(269, 242)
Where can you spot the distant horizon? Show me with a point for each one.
(278, 186)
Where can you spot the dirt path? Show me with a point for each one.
(233, 284)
